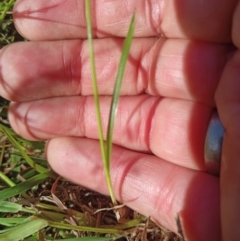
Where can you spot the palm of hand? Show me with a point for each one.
(167, 99)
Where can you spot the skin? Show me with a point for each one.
(170, 88)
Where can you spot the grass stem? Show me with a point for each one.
(96, 96)
(7, 180)
(6, 9)
(106, 148)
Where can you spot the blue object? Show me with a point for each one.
(213, 144)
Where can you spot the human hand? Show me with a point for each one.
(167, 100)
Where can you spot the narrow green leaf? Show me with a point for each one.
(24, 186)
(94, 77)
(96, 97)
(8, 133)
(117, 87)
(84, 228)
(107, 149)
(6, 179)
(116, 95)
(11, 221)
(7, 7)
(24, 230)
(9, 207)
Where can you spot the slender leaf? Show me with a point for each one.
(94, 77)
(24, 186)
(10, 207)
(84, 228)
(96, 97)
(107, 149)
(7, 7)
(24, 230)
(6, 179)
(117, 88)
(8, 133)
(11, 221)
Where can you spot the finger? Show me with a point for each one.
(236, 26)
(149, 185)
(173, 68)
(228, 103)
(204, 20)
(171, 129)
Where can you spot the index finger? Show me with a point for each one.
(196, 19)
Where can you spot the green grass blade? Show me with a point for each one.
(65, 226)
(9, 222)
(8, 6)
(107, 149)
(24, 230)
(116, 94)
(96, 95)
(24, 186)
(6, 179)
(94, 77)
(117, 87)
(8, 133)
(9, 207)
